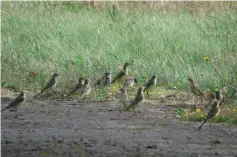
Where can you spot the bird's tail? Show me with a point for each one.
(71, 92)
(39, 93)
(4, 109)
(202, 124)
(128, 107)
(114, 80)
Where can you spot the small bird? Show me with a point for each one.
(215, 110)
(105, 80)
(120, 76)
(123, 97)
(195, 90)
(79, 85)
(139, 98)
(219, 97)
(85, 89)
(150, 84)
(129, 82)
(52, 83)
(16, 102)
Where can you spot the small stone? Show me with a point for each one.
(216, 141)
(152, 147)
(88, 145)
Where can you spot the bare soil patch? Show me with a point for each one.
(69, 128)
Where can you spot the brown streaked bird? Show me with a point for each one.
(16, 102)
(139, 98)
(105, 80)
(79, 85)
(85, 89)
(129, 82)
(123, 97)
(195, 90)
(120, 76)
(52, 83)
(150, 84)
(219, 97)
(215, 110)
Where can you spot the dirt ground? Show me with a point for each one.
(68, 128)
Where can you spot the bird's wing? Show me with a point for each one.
(48, 85)
(16, 101)
(120, 74)
(199, 92)
(134, 102)
(147, 85)
(75, 89)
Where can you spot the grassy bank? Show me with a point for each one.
(74, 39)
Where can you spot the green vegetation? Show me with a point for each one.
(75, 39)
(227, 115)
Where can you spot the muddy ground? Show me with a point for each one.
(68, 128)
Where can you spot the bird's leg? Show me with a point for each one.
(134, 112)
(79, 100)
(147, 93)
(119, 113)
(214, 126)
(147, 114)
(193, 99)
(201, 101)
(26, 107)
(125, 105)
(16, 113)
(210, 125)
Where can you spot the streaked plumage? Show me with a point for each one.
(123, 96)
(215, 110)
(79, 85)
(16, 102)
(85, 89)
(52, 83)
(219, 97)
(129, 82)
(139, 98)
(150, 84)
(105, 80)
(194, 89)
(119, 77)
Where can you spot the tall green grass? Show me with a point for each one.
(75, 40)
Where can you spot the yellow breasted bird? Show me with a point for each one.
(139, 98)
(123, 97)
(215, 110)
(85, 90)
(120, 76)
(79, 85)
(195, 90)
(129, 82)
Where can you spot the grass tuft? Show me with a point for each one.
(77, 39)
